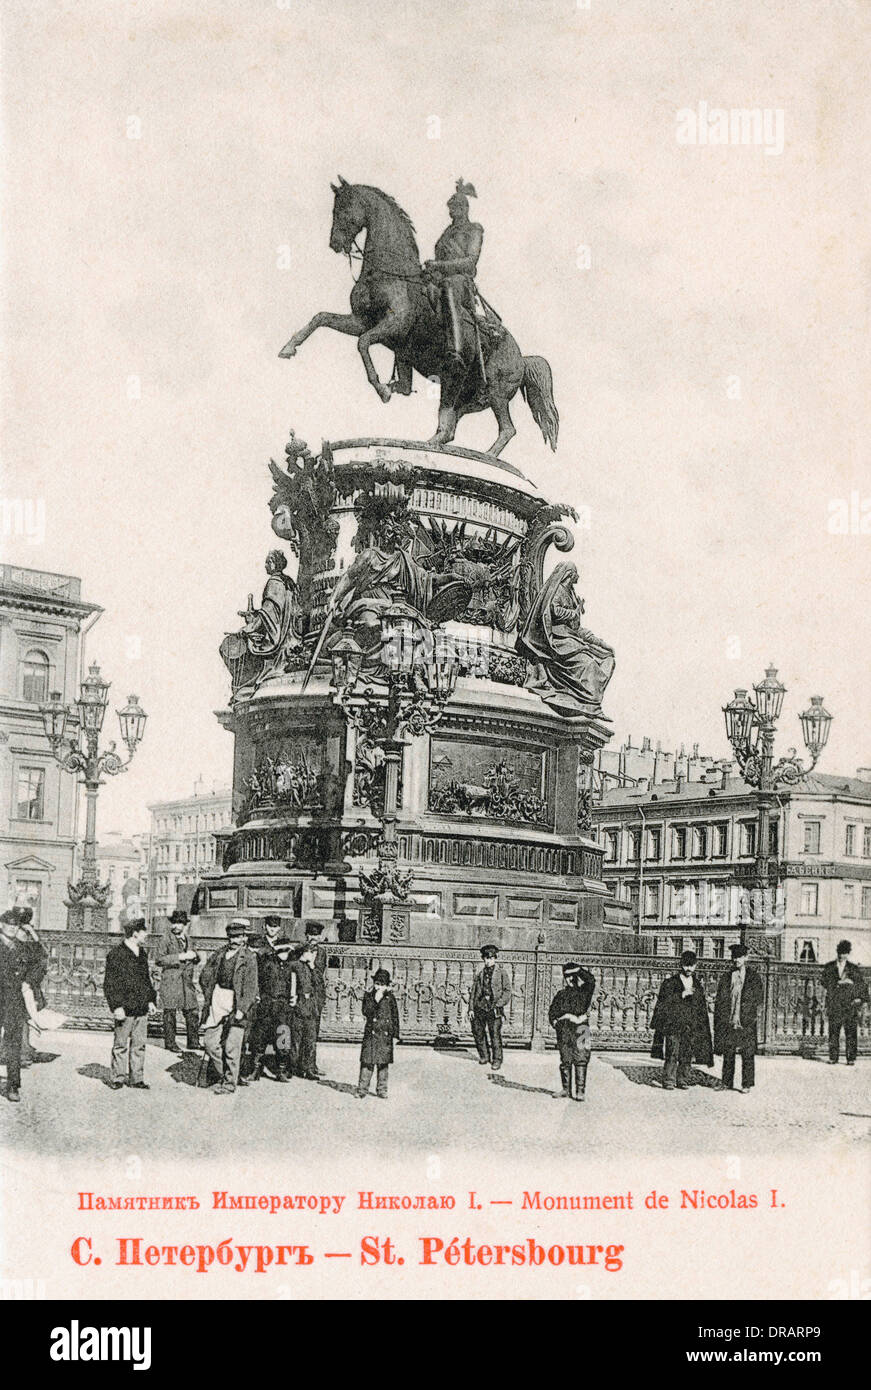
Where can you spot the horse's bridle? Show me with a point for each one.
(354, 253)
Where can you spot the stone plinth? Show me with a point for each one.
(489, 799)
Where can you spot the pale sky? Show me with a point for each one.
(158, 257)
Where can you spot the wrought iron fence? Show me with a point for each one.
(433, 985)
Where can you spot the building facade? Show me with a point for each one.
(683, 854)
(182, 847)
(42, 621)
(122, 863)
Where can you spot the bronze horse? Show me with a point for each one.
(390, 305)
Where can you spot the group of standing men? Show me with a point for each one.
(257, 991)
(682, 1030)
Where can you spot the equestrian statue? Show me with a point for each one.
(431, 316)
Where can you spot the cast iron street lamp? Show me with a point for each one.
(418, 669)
(750, 726)
(78, 752)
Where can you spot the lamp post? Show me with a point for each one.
(750, 727)
(415, 675)
(77, 751)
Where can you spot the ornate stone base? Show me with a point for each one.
(87, 916)
(491, 822)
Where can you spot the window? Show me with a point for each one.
(718, 901)
(679, 843)
(850, 840)
(651, 900)
(866, 900)
(849, 900)
(28, 893)
(700, 842)
(721, 841)
(34, 677)
(610, 846)
(806, 951)
(748, 837)
(810, 899)
(679, 900)
(654, 843)
(30, 798)
(634, 844)
(772, 837)
(718, 947)
(811, 837)
(866, 842)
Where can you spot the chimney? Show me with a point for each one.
(678, 781)
(695, 750)
(645, 744)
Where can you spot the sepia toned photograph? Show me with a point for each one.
(434, 715)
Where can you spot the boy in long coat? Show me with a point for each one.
(739, 999)
(382, 1029)
(177, 990)
(681, 1030)
(569, 1015)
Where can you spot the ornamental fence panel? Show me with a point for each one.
(433, 986)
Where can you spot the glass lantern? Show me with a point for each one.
(92, 701)
(769, 696)
(739, 715)
(132, 720)
(815, 725)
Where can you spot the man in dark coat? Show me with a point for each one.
(739, 998)
(379, 1034)
(276, 983)
(36, 972)
(19, 983)
(569, 1015)
(304, 1015)
(229, 984)
(314, 934)
(846, 992)
(490, 997)
(681, 1029)
(177, 990)
(131, 997)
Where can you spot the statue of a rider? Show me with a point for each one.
(453, 270)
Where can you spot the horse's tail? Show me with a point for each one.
(537, 388)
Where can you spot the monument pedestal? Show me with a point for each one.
(489, 799)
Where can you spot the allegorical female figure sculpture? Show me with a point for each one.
(259, 648)
(573, 666)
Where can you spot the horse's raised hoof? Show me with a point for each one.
(289, 349)
(385, 392)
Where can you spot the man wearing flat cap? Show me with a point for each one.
(277, 989)
(177, 960)
(739, 999)
(229, 985)
(681, 1028)
(490, 997)
(569, 1014)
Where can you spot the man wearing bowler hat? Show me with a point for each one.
(490, 997)
(739, 999)
(846, 992)
(177, 991)
(131, 997)
(229, 984)
(569, 1014)
(681, 1031)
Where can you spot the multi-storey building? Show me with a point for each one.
(683, 855)
(42, 622)
(181, 846)
(122, 863)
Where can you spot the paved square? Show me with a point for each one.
(437, 1101)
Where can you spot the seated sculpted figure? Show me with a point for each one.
(572, 665)
(259, 648)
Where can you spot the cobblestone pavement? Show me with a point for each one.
(437, 1101)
